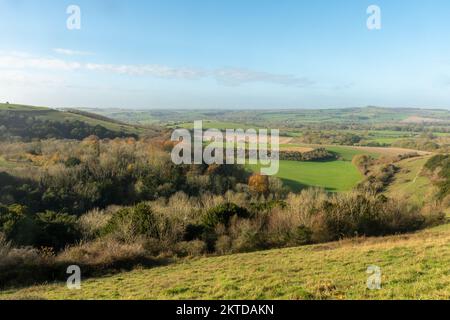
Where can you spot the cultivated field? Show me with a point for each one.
(330, 175)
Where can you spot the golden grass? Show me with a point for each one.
(391, 151)
(414, 266)
(296, 149)
(409, 183)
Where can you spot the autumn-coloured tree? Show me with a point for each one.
(259, 184)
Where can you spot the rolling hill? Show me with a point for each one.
(27, 121)
(285, 117)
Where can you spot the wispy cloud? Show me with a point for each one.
(238, 76)
(226, 76)
(159, 71)
(23, 61)
(69, 52)
(10, 78)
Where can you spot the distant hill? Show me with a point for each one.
(285, 117)
(30, 122)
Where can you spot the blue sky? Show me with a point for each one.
(225, 54)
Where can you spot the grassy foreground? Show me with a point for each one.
(414, 266)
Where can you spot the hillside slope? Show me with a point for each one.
(414, 266)
(409, 183)
(42, 114)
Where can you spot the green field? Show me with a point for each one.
(331, 175)
(347, 153)
(413, 266)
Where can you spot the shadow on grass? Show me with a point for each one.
(27, 275)
(297, 187)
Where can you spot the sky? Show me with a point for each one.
(173, 54)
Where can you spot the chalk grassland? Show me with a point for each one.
(409, 183)
(414, 266)
(43, 113)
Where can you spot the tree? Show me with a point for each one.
(259, 184)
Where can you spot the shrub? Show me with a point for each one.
(223, 244)
(190, 248)
(11, 256)
(72, 162)
(222, 214)
(48, 229)
(56, 230)
(438, 167)
(302, 235)
(103, 252)
(135, 221)
(92, 223)
(266, 206)
(362, 162)
(18, 225)
(364, 214)
(247, 235)
(193, 231)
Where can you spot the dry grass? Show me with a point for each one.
(102, 252)
(414, 266)
(297, 149)
(391, 151)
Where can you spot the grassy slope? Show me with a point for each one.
(347, 153)
(55, 115)
(409, 183)
(414, 266)
(4, 163)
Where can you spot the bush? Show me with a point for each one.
(248, 235)
(92, 223)
(302, 236)
(56, 230)
(11, 256)
(128, 223)
(438, 168)
(193, 231)
(18, 224)
(72, 162)
(48, 229)
(223, 244)
(222, 214)
(369, 215)
(103, 253)
(190, 248)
